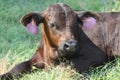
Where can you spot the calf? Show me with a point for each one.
(62, 38)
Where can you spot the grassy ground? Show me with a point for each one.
(16, 45)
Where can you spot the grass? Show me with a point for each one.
(16, 45)
(58, 73)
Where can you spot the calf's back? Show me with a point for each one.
(106, 33)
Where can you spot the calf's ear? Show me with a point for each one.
(87, 19)
(31, 21)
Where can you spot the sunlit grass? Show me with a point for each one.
(3, 66)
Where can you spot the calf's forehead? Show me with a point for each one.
(61, 14)
(58, 8)
(56, 13)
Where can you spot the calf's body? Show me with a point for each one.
(106, 33)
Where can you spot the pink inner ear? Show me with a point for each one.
(89, 23)
(32, 27)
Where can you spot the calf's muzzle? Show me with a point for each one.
(68, 46)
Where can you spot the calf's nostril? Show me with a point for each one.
(66, 46)
(70, 45)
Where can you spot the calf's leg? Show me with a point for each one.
(17, 70)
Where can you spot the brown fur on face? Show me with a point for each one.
(59, 21)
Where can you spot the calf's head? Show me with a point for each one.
(60, 28)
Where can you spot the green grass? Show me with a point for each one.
(16, 45)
